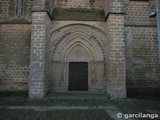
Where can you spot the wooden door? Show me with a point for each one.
(78, 76)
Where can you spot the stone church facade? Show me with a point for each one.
(107, 46)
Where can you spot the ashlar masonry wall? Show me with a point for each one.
(115, 62)
(14, 56)
(116, 67)
(142, 61)
(4, 9)
(87, 4)
(38, 85)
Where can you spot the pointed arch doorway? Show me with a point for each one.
(77, 57)
(78, 76)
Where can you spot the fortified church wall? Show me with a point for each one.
(116, 39)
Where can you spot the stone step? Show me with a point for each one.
(76, 95)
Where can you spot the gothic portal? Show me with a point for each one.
(100, 46)
(82, 52)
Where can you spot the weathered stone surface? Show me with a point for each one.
(114, 6)
(79, 42)
(142, 62)
(14, 56)
(78, 14)
(121, 49)
(116, 65)
(137, 13)
(89, 4)
(43, 5)
(38, 84)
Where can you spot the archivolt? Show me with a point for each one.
(69, 48)
(77, 35)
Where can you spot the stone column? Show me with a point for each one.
(116, 65)
(38, 79)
